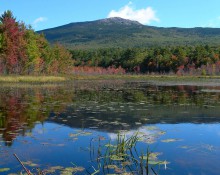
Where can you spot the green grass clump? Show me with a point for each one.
(32, 79)
(121, 157)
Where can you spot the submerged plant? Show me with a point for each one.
(118, 156)
(37, 171)
(121, 157)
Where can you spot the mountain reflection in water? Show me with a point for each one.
(106, 106)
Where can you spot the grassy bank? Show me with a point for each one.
(60, 79)
(163, 80)
(143, 77)
(32, 79)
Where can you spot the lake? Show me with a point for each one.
(110, 127)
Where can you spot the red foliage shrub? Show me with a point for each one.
(98, 70)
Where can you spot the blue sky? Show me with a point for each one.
(42, 14)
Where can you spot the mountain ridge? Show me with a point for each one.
(119, 32)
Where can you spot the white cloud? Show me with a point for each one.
(143, 132)
(144, 16)
(39, 20)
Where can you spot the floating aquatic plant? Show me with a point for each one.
(117, 156)
(4, 169)
(121, 157)
(170, 140)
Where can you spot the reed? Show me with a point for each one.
(115, 157)
(120, 156)
(68, 78)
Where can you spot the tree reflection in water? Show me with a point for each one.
(105, 105)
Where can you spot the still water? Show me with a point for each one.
(70, 129)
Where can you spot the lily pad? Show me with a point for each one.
(153, 162)
(85, 133)
(80, 133)
(4, 169)
(170, 140)
(117, 158)
(210, 90)
(111, 166)
(126, 163)
(110, 145)
(54, 169)
(184, 147)
(31, 164)
(150, 140)
(161, 133)
(151, 128)
(70, 170)
(73, 135)
(151, 156)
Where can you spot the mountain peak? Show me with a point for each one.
(118, 20)
(118, 32)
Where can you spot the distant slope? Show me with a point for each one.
(118, 32)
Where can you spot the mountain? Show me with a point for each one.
(119, 32)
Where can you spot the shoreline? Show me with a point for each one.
(152, 79)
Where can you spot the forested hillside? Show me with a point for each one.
(122, 33)
(22, 51)
(193, 60)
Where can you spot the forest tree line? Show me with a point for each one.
(23, 51)
(201, 59)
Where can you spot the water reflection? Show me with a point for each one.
(53, 126)
(21, 108)
(105, 106)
